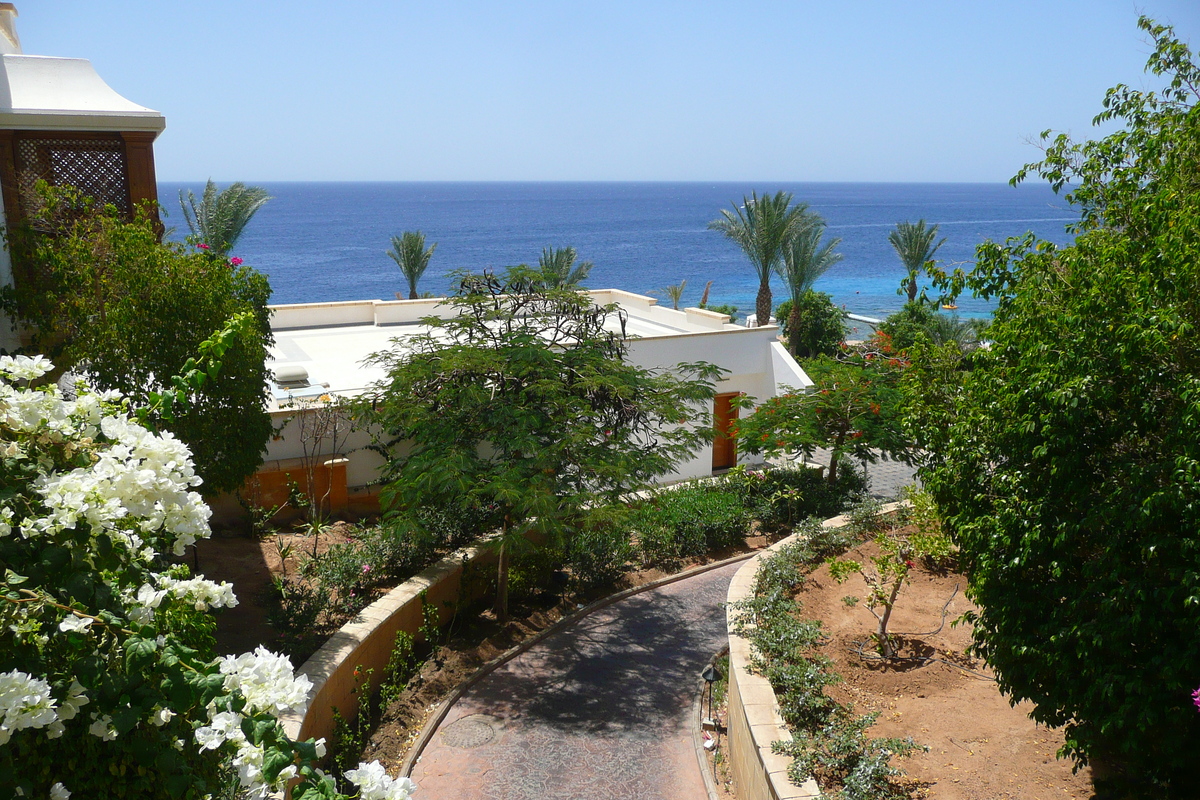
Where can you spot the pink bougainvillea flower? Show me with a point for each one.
(1196, 698)
(203, 246)
(235, 261)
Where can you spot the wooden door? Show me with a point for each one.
(724, 444)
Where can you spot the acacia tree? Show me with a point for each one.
(1068, 467)
(104, 298)
(524, 400)
(853, 409)
(761, 227)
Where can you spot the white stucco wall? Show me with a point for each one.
(330, 339)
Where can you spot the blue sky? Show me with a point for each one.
(786, 91)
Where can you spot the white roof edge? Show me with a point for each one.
(62, 93)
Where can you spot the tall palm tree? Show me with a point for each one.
(559, 269)
(914, 244)
(409, 253)
(804, 260)
(219, 218)
(760, 227)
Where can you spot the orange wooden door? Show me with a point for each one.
(724, 444)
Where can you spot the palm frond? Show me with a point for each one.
(220, 217)
(805, 258)
(559, 270)
(914, 243)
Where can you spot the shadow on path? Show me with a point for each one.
(599, 709)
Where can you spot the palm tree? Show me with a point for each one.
(219, 218)
(409, 253)
(760, 227)
(674, 292)
(804, 260)
(559, 269)
(914, 244)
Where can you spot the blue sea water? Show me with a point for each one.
(327, 241)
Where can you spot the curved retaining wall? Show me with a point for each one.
(754, 719)
(368, 639)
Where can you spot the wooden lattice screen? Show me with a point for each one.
(95, 166)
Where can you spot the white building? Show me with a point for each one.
(320, 348)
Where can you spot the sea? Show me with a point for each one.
(328, 241)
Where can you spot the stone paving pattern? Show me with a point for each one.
(600, 709)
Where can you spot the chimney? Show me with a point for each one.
(9, 41)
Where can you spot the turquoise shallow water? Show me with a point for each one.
(327, 241)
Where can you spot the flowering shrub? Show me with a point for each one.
(105, 685)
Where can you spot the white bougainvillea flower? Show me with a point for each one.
(222, 727)
(267, 682)
(374, 783)
(102, 727)
(201, 593)
(24, 368)
(74, 623)
(25, 702)
(59, 792)
(75, 700)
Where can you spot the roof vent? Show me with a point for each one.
(291, 375)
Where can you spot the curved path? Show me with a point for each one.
(599, 709)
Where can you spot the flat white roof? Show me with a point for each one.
(331, 340)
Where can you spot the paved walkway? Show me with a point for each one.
(887, 477)
(601, 709)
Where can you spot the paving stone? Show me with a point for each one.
(601, 709)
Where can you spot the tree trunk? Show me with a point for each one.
(793, 324)
(500, 608)
(833, 457)
(762, 306)
(412, 293)
(885, 644)
(912, 287)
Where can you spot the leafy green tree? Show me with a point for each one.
(559, 270)
(1068, 466)
(525, 400)
(219, 218)
(104, 298)
(762, 226)
(918, 319)
(914, 244)
(410, 254)
(853, 409)
(819, 329)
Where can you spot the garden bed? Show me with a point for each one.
(980, 747)
(966, 741)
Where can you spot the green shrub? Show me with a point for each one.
(820, 325)
(530, 568)
(688, 522)
(782, 497)
(599, 554)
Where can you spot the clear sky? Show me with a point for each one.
(853, 90)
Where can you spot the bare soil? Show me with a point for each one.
(980, 747)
